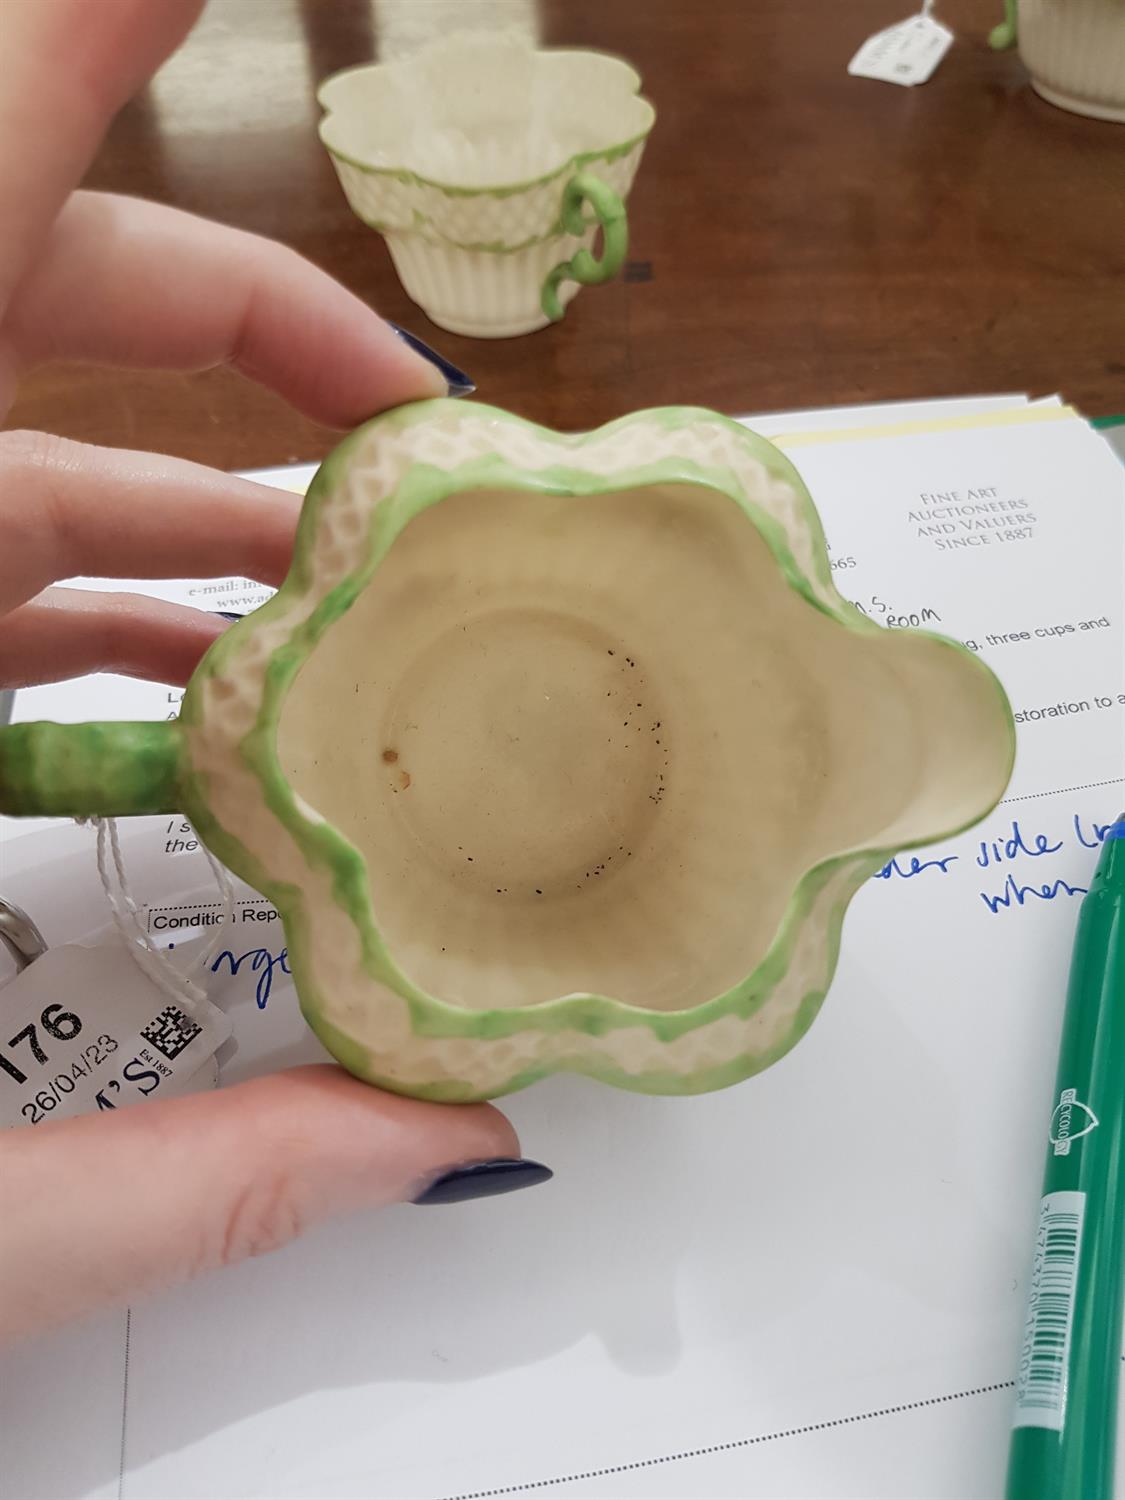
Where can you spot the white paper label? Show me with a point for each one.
(1043, 1369)
(906, 54)
(83, 1029)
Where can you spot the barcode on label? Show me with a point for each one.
(171, 1031)
(1041, 1380)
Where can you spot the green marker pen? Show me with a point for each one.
(1064, 1430)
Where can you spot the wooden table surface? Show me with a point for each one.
(799, 237)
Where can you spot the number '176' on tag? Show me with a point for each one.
(83, 1029)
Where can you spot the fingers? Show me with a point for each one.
(178, 292)
(225, 1175)
(68, 632)
(68, 68)
(68, 510)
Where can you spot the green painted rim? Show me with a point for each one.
(424, 224)
(604, 154)
(327, 849)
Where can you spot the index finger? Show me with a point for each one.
(69, 510)
(178, 292)
(68, 67)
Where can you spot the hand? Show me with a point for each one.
(89, 276)
(92, 277)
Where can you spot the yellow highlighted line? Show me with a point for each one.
(1017, 417)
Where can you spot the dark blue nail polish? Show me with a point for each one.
(458, 382)
(222, 614)
(484, 1179)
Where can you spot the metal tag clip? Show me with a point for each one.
(20, 935)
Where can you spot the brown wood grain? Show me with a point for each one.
(813, 239)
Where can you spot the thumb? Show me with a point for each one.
(103, 1208)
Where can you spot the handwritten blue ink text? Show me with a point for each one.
(915, 867)
(996, 851)
(1013, 892)
(261, 962)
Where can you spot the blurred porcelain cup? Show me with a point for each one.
(489, 168)
(1074, 51)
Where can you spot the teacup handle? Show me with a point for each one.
(90, 770)
(609, 211)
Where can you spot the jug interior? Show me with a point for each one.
(590, 744)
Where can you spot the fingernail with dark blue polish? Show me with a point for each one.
(484, 1179)
(221, 614)
(458, 382)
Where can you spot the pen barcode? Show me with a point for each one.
(1041, 1380)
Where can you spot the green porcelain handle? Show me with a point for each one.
(90, 770)
(1004, 35)
(609, 212)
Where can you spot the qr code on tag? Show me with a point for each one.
(170, 1032)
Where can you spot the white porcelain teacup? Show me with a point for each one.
(477, 160)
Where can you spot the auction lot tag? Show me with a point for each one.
(83, 1029)
(907, 53)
